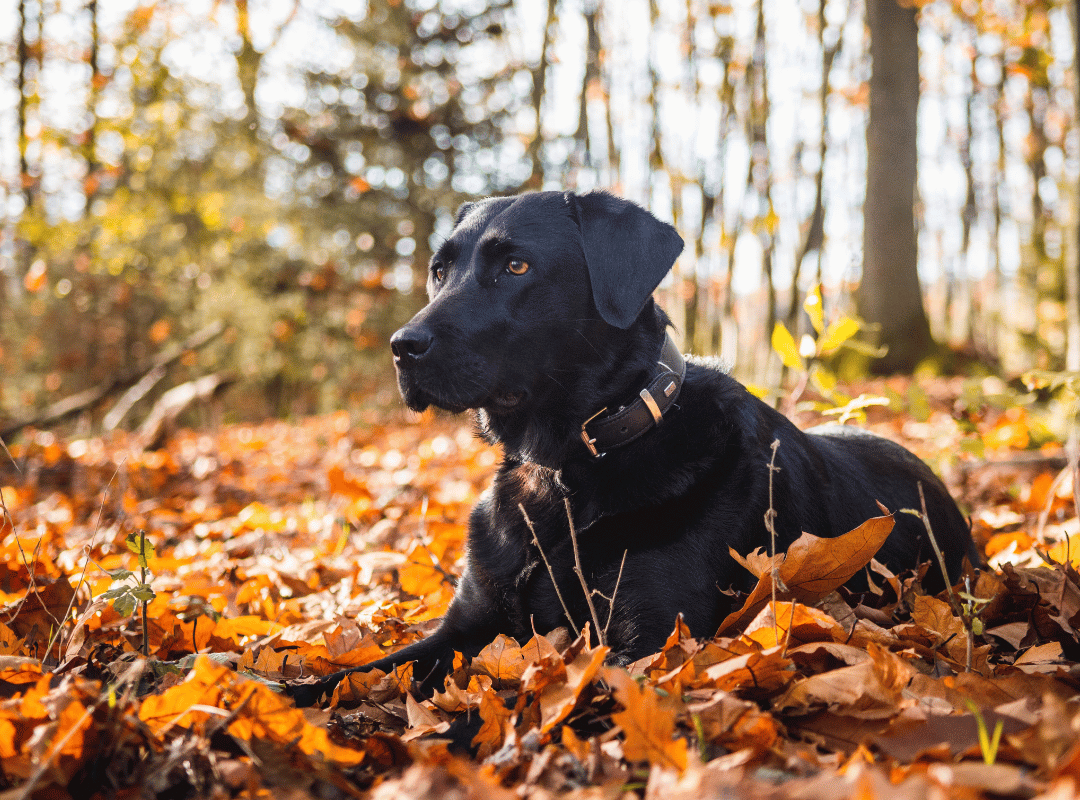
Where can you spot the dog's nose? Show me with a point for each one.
(410, 343)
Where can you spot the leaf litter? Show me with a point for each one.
(274, 552)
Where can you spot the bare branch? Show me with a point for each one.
(581, 575)
(611, 600)
(770, 525)
(551, 572)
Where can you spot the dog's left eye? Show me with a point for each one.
(515, 266)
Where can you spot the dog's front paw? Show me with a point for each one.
(307, 692)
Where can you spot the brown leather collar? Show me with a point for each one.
(603, 433)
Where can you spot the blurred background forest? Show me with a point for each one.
(245, 193)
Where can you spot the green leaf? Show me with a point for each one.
(125, 605)
(120, 574)
(143, 593)
(138, 544)
(784, 344)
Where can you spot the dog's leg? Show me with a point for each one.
(433, 659)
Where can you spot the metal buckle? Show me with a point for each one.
(650, 404)
(591, 443)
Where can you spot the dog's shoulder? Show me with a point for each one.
(714, 398)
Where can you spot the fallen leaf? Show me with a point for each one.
(648, 721)
(813, 567)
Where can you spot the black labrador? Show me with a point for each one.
(541, 319)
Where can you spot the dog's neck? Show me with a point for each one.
(610, 428)
(613, 367)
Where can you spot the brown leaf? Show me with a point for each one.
(735, 724)
(44, 609)
(813, 567)
(422, 720)
(937, 616)
(872, 689)
(758, 674)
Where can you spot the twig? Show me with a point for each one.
(770, 525)
(551, 572)
(11, 458)
(957, 608)
(937, 552)
(89, 548)
(615, 591)
(790, 625)
(142, 579)
(580, 574)
(1073, 447)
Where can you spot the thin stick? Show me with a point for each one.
(88, 549)
(580, 574)
(770, 525)
(1074, 463)
(551, 572)
(940, 558)
(957, 608)
(615, 591)
(790, 625)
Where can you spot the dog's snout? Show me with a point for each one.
(410, 343)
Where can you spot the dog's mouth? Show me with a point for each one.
(507, 401)
(420, 397)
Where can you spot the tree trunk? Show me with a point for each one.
(532, 153)
(1072, 247)
(23, 56)
(90, 184)
(889, 295)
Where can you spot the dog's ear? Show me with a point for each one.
(463, 211)
(628, 252)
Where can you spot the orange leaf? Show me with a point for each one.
(496, 718)
(34, 280)
(559, 697)
(806, 625)
(419, 576)
(184, 703)
(648, 722)
(264, 715)
(503, 660)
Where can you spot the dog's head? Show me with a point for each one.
(521, 284)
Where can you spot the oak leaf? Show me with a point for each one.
(492, 733)
(648, 721)
(561, 681)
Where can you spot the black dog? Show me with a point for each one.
(541, 318)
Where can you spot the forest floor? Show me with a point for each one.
(152, 602)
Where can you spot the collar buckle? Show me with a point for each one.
(591, 442)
